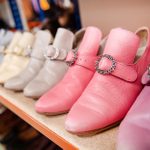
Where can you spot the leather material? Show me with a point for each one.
(4, 41)
(107, 98)
(13, 67)
(26, 41)
(13, 64)
(19, 82)
(6, 38)
(17, 36)
(83, 60)
(53, 69)
(145, 78)
(62, 96)
(134, 131)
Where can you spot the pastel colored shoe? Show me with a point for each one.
(16, 63)
(115, 85)
(54, 68)
(8, 51)
(19, 82)
(17, 36)
(4, 43)
(134, 131)
(2, 34)
(7, 38)
(60, 99)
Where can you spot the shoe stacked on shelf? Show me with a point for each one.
(95, 79)
(15, 59)
(20, 81)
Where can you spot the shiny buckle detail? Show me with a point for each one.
(71, 58)
(48, 50)
(112, 68)
(57, 51)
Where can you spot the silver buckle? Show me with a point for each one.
(112, 68)
(74, 58)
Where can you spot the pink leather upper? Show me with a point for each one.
(65, 93)
(85, 60)
(134, 131)
(107, 98)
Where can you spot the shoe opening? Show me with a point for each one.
(143, 35)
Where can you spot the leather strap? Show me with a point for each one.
(124, 71)
(85, 61)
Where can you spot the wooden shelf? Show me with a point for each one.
(53, 127)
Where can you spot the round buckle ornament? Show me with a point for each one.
(71, 58)
(112, 68)
(51, 52)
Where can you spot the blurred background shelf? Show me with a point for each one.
(53, 127)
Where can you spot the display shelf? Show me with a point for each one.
(53, 127)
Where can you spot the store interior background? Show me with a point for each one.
(129, 14)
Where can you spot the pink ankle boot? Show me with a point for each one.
(60, 99)
(115, 85)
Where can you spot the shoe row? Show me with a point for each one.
(94, 78)
(46, 61)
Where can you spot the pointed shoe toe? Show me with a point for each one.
(14, 84)
(33, 90)
(44, 107)
(82, 121)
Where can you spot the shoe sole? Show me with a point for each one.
(53, 113)
(93, 132)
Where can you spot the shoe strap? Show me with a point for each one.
(54, 53)
(18, 50)
(107, 65)
(86, 61)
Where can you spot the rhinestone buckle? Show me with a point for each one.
(73, 59)
(112, 68)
